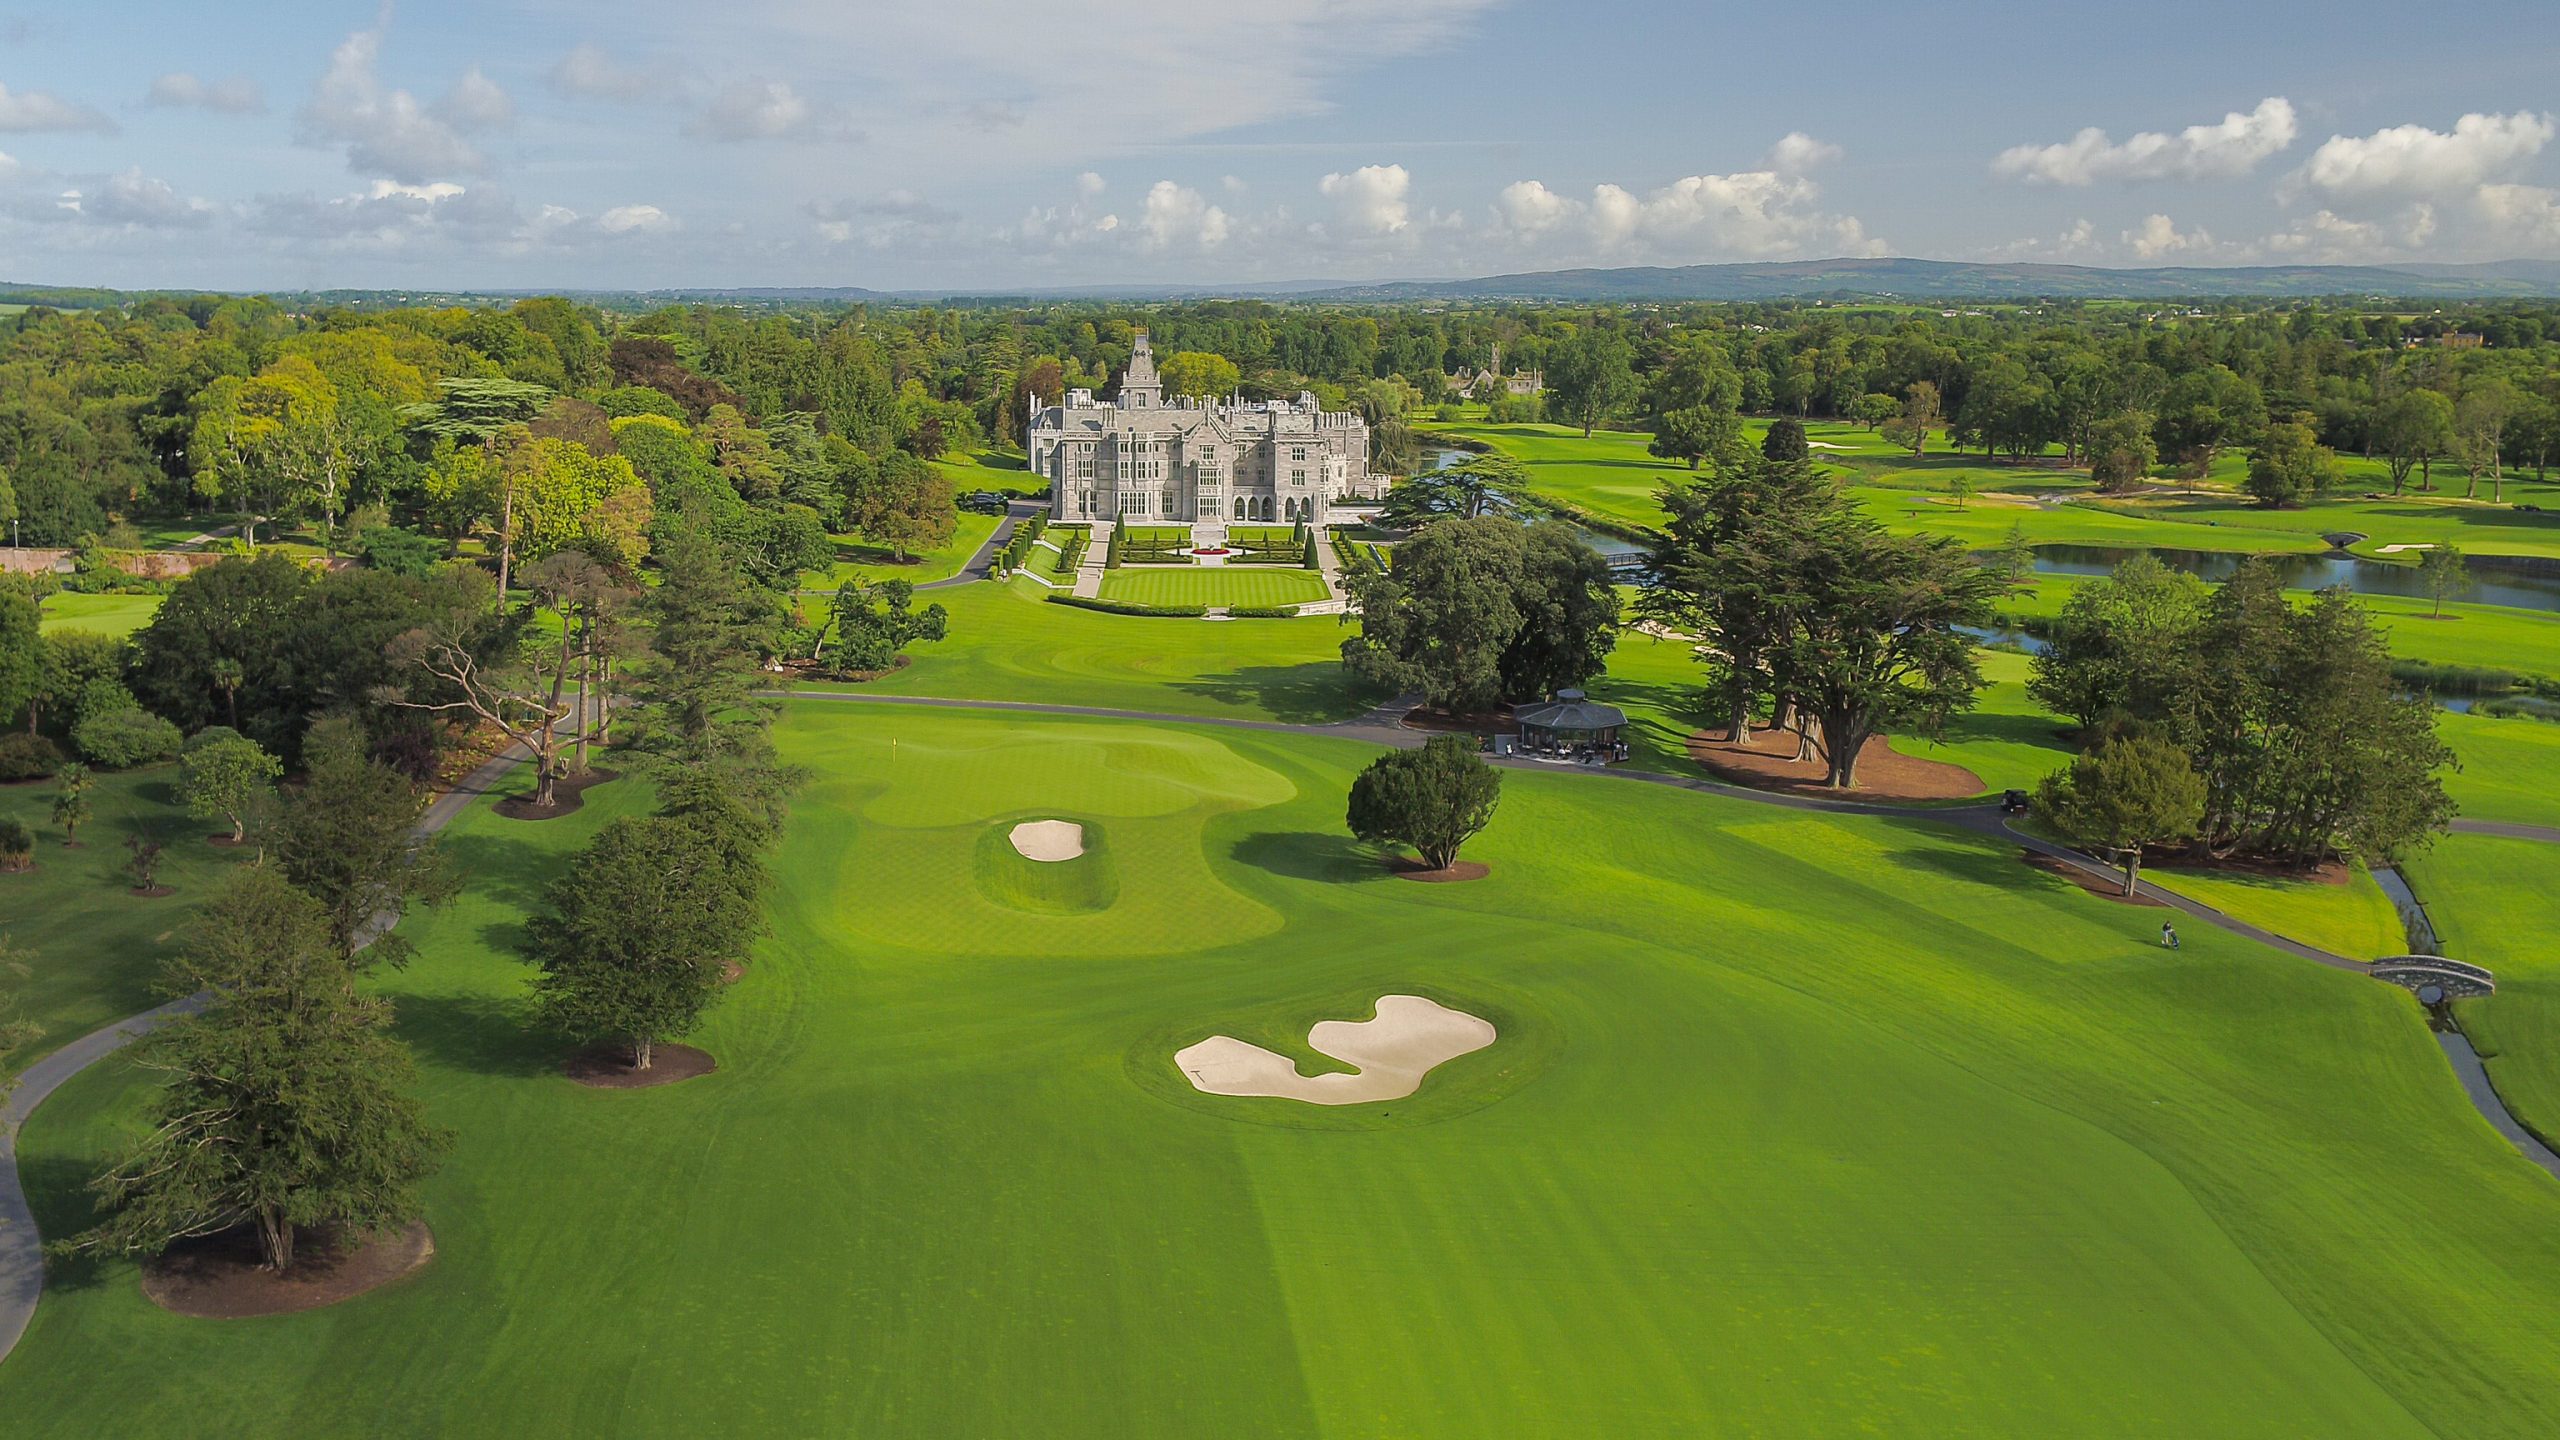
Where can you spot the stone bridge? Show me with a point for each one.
(2446, 979)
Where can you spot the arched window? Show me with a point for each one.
(1239, 507)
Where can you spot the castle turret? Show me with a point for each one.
(1139, 387)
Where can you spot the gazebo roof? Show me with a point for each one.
(1575, 713)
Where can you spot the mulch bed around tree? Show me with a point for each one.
(812, 670)
(1768, 762)
(1405, 867)
(225, 841)
(156, 892)
(217, 1278)
(2103, 886)
(1441, 722)
(610, 1068)
(568, 794)
(731, 972)
(2180, 857)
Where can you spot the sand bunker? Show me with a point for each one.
(1410, 1038)
(1825, 445)
(2400, 548)
(1049, 839)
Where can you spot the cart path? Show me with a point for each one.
(21, 1247)
(983, 564)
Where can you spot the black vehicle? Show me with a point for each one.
(2014, 802)
(984, 502)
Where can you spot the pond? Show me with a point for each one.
(2520, 581)
(1624, 556)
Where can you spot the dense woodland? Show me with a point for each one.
(792, 423)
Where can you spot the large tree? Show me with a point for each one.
(348, 836)
(1434, 799)
(21, 649)
(283, 1105)
(1724, 571)
(2480, 422)
(710, 627)
(225, 775)
(1485, 483)
(1880, 635)
(1474, 612)
(2413, 427)
(2130, 792)
(873, 621)
(1591, 376)
(2122, 451)
(633, 939)
(2116, 643)
(904, 503)
(2290, 464)
(1199, 375)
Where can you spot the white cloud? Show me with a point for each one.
(476, 103)
(2407, 161)
(1089, 184)
(1757, 214)
(2521, 217)
(1371, 199)
(894, 218)
(625, 219)
(31, 110)
(1799, 152)
(2225, 150)
(132, 201)
(1177, 215)
(589, 72)
(2158, 235)
(383, 131)
(238, 95)
(756, 110)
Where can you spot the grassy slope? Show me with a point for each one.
(2492, 903)
(1215, 585)
(1808, 1125)
(2355, 919)
(859, 559)
(106, 614)
(92, 947)
(2510, 768)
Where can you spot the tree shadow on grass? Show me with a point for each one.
(1977, 861)
(501, 867)
(1315, 693)
(1309, 855)
(56, 1187)
(477, 1033)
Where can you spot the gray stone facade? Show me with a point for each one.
(1142, 461)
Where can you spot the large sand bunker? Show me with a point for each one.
(1410, 1038)
(1050, 840)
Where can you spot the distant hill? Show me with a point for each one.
(1961, 280)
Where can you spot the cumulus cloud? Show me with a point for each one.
(2158, 235)
(589, 72)
(626, 219)
(31, 110)
(2232, 147)
(384, 130)
(2521, 217)
(755, 109)
(1179, 216)
(2413, 161)
(1371, 199)
(893, 218)
(1799, 152)
(238, 95)
(2328, 238)
(476, 103)
(1752, 213)
(132, 201)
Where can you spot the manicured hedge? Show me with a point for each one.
(1263, 612)
(1121, 607)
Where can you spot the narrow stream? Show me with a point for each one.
(2467, 1064)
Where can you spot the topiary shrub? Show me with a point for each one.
(17, 845)
(122, 739)
(28, 757)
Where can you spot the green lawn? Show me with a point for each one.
(2510, 768)
(1797, 1126)
(93, 948)
(2354, 919)
(859, 559)
(1006, 644)
(2492, 903)
(1253, 585)
(120, 614)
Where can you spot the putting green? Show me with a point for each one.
(1826, 1126)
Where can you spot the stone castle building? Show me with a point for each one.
(1142, 461)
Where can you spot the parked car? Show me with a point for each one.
(985, 502)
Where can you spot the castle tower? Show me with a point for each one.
(1139, 387)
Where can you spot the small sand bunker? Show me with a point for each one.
(1410, 1038)
(1050, 840)
(1826, 445)
(2404, 547)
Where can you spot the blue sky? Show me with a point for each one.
(990, 143)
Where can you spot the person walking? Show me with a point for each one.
(2168, 935)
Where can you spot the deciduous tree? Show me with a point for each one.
(632, 940)
(1434, 799)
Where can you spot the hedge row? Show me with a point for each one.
(1025, 535)
(1122, 607)
(1263, 612)
(1353, 554)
